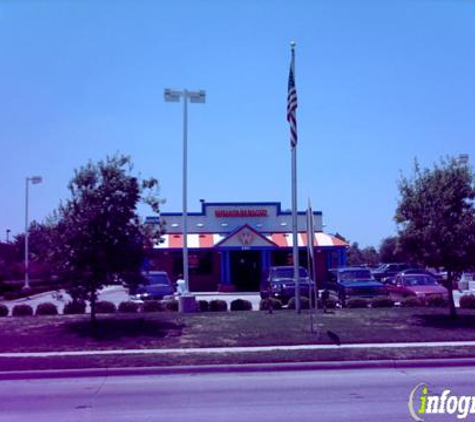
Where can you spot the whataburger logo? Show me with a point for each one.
(422, 403)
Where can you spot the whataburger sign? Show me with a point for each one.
(241, 213)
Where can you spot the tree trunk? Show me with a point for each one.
(452, 309)
(93, 309)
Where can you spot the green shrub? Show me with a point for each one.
(10, 295)
(22, 310)
(203, 306)
(128, 307)
(467, 301)
(171, 305)
(330, 303)
(382, 302)
(264, 304)
(218, 305)
(46, 308)
(105, 307)
(412, 302)
(437, 301)
(357, 302)
(151, 306)
(304, 303)
(3, 310)
(75, 308)
(241, 305)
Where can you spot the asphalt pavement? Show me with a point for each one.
(357, 395)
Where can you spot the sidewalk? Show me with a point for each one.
(238, 349)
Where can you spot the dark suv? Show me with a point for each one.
(157, 285)
(352, 282)
(389, 270)
(279, 283)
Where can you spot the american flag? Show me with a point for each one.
(292, 106)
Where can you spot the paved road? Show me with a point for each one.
(332, 395)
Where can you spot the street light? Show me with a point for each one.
(34, 180)
(172, 95)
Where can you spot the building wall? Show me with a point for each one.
(266, 217)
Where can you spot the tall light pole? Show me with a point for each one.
(34, 180)
(194, 97)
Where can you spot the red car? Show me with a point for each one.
(415, 285)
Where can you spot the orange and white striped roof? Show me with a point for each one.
(282, 240)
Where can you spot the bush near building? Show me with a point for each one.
(241, 305)
(3, 310)
(437, 301)
(171, 305)
(382, 302)
(218, 305)
(264, 304)
(22, 310)
(105, 307)
(304, 303)
(46, 308)
(151, 306)
(357, 302)
(203, 306)
(467, 301)
(77, 307)
(128, 307)
(412, 302)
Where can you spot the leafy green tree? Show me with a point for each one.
(436, 218)
(365, 256)
(370, 255)
(99, 237)
(391, 250)
(354, 256)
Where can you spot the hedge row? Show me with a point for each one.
(218, 305)
(106, 307)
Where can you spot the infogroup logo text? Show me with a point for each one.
(422, 403)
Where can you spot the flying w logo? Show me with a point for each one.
(246, 238)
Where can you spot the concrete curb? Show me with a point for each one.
(236, 368)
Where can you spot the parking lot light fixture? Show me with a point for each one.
(172, 95)
(34, 180)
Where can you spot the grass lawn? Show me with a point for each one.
(173, 330)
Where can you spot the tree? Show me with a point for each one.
(391, 251)
(354, 255)
(99, 235)
(436, 218)
(365, 256)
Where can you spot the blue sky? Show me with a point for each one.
(379, 84)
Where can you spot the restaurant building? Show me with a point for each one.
(232, 244)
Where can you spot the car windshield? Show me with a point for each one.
(288, 273)
(422, 280)
(158, 279)
(356, 275)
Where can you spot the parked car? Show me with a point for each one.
(157, 285)
(415, 285)
(388, 270)
(352, 282)
(278, 282)
(437, 276)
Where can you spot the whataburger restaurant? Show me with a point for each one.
(231, 245)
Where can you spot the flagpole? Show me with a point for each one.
(310, 262)
(292, 117)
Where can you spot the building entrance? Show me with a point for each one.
(246, 270)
